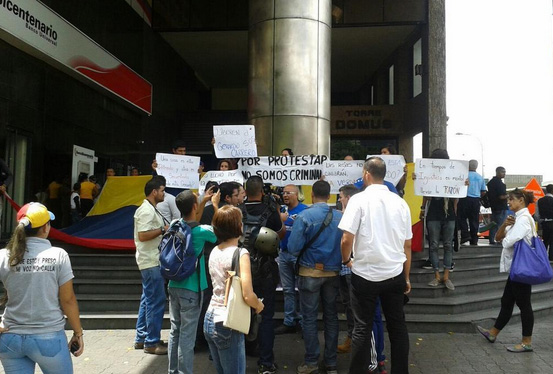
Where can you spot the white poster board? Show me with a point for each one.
(283, 170)
(83, 162)
(441, 178)
(179, 171)
(395, 165)
(342, 173)
(235, 141)
(220, 176)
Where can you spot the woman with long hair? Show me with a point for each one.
(227, 346)
(38, 283)
(521, 226)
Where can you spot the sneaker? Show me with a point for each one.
(427, 265)
(331, 370)
(285, 329)
(262, 369)
(449, 284)
(452, 267)
(382, 368)
(138, 345)
(434, 282)
(158, 349)
(307, 369)
(486, 334)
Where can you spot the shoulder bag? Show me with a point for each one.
(238, 312)
(530, 263)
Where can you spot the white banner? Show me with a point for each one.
(395, 165)
(44, 30)
(443, 178)
(179, 171)
(341, 173)
(235, 141)
(283, 170)
(220, 177)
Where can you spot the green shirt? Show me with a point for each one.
(200, 235)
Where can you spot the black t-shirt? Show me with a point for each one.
(496, 188)
(437, 210)
(257, 208)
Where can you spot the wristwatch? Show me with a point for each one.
(162, 230)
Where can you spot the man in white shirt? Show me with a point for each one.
(148, 230)
(377, 229)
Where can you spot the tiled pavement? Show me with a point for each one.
(110, 351)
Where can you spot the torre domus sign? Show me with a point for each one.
(365, 119)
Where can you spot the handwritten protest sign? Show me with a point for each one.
(179, 171)
(220, 176)
(341, 173)
(283, 170)
(235, 141)
(444, 178)
(394, 167)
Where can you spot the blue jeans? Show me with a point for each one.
(445, 230)
(184, 310)
(152, 307)
(226, 346)
(20, 353)
(311, 289)
(498, 216)
(363, 302)
(286, 268)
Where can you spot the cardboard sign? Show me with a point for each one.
(342, 173)
(283, 170)
(395, 164)
(535, 187)
(179, 171)
(235, 141)
(220, 177)
(441, 178)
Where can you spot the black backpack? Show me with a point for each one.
(262, 267)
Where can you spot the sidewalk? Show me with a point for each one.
(110, 351)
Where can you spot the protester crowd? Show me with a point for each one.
(243, 241)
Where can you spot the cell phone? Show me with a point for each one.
(74, 347)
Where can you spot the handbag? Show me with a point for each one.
(238, 315)
(530, 263)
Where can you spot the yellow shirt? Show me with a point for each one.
(88, 190)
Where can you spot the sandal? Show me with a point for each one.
(486, 334)
(519, 348)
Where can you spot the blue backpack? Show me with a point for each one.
(177, 258)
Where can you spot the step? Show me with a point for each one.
(466, 322)
(458, 304)
(423, 276)
(108, 303)
(114, 321)
(464, 260)
(108, 286)
(462, 286)
(102, 259)
(106, 272)
(464, 250)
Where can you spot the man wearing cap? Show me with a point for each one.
(315, 240)
(6, 178)
(148, 230)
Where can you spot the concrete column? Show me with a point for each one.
(436, 63)
(289, 75)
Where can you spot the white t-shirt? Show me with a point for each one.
(146, 219)
(33, 287)
(381, 223)
(220, 261)
(73, 195)
(524, 228)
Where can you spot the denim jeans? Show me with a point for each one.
(498, 216)
(311, 289)
(20, 353)
(184, 310)
(363, 302)
(152, 307)
(286, 268)
(445, 229)
(226, 346)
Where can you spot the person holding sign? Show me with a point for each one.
(440, 215)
